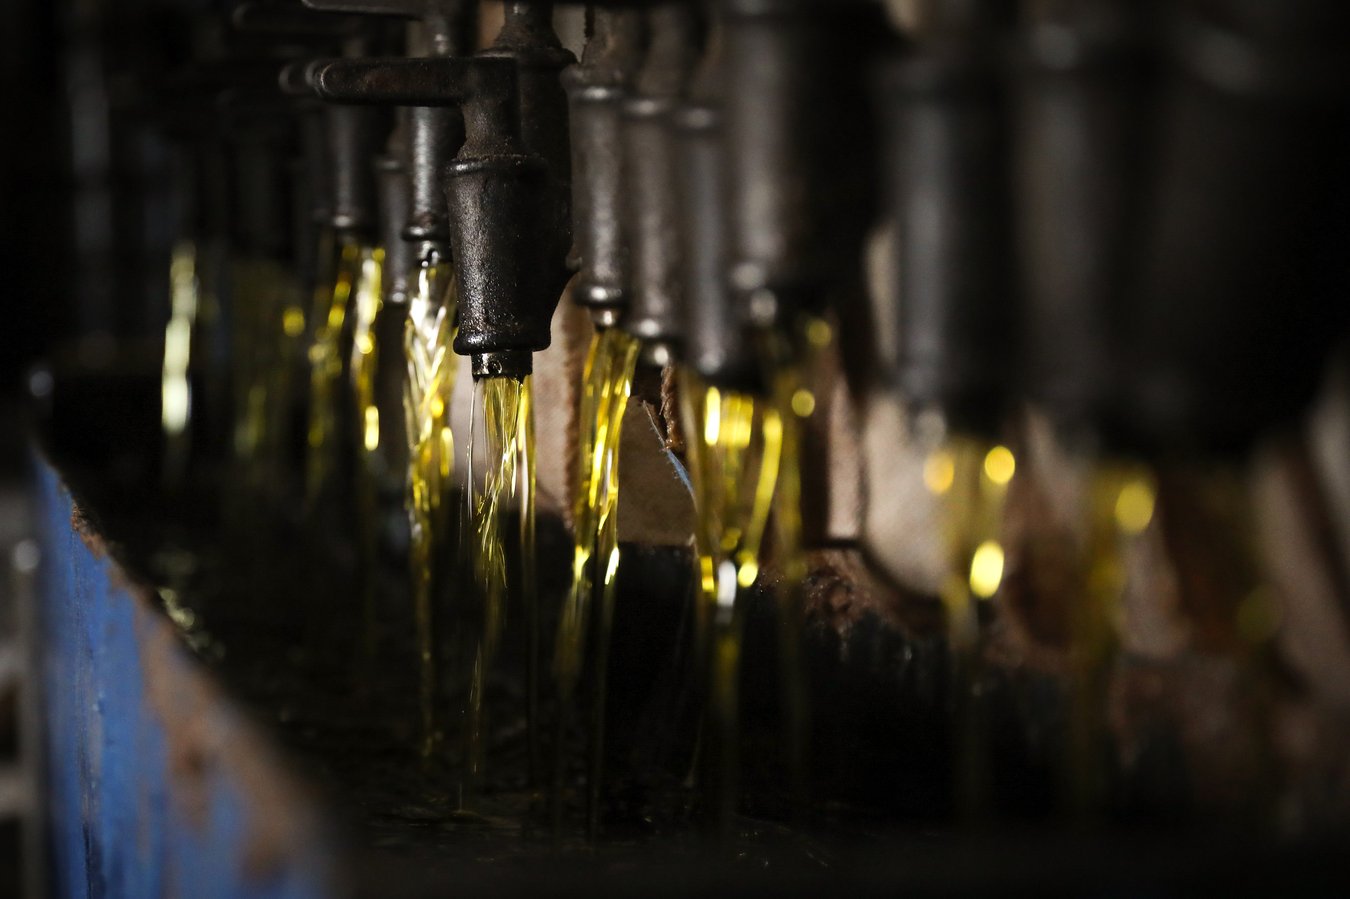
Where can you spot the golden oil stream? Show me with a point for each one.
(789, 361)
(970, 477)
(735, 452)
(529, 575)
(176, 384)
(1119, 508)
(365, 357)
(328, 368)
(432, 365)
(1225, 595)
(507, 481)
(745, 462)
(606, 387)
(366, 303)
(269, 326)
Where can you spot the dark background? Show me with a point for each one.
(85, 177)
(34, 189)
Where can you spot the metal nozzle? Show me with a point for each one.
(655, 313)
(800, 138)
(951, 197)
(596, 89)
(516, 364)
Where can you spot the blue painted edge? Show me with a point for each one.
(157, 784)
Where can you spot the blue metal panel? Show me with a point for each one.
(157, 784)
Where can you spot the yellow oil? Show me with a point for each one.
(1229, 605)
(508, 482)
(970, 477)
(736, 445)
(365, 354)
(367, 297)
(745, 458)
(176, 385)
(529, 574)
(328, 370)
(795, 403)
(266, 337)
(606, 387)
(1119, 508)
(432, 365)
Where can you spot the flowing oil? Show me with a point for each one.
(789, 362)
(607, 385)
(735, 453)
(367, 298)
(432, 365)
(970, 478)
(1119, 508)
(328, 370)
(745, 459)
(508, 483)
(529, 577)
(365, 353)
(268, 323)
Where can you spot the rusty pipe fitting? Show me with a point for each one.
(800, 149)
(395, 205)
(596, 89)
(1086, 83)
(527, 39)
(950, 193)
(434, 134)
(717, 340)
(651, 176)
(502, 211)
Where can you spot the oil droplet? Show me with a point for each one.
(293, 321)
(1000, 465)
(986, 569)
(372, 441)
(818, 333)
(803, 403)
(939, 472)
(712, 424)
(1134, 507)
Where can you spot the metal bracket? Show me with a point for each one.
(434, 133)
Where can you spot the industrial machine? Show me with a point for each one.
(684, 445)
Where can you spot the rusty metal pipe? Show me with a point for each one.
(596, 89)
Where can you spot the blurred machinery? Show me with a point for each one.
(817, 438)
